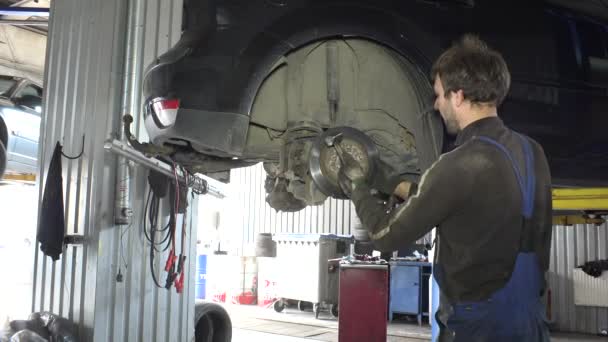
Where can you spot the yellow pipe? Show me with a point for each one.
(580, 199)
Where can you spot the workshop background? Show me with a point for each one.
(83, 81)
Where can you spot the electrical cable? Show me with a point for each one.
(167, 239)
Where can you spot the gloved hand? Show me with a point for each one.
(386, 178)
(350, 175)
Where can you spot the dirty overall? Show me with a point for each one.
(514, 312)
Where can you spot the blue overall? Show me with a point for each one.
(514, 312)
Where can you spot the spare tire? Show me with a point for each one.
(211, 323)
(2, 159)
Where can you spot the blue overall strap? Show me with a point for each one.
(527, 185)
(513, 312)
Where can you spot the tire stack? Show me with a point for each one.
(211, 323)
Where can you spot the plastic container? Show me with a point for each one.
(232, 279)
(242, 284)
(265, 246)
(217, 277)
(200, 285)
(267, 281)
(303, 270)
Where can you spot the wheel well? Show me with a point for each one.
(323, 22)
(374, 82)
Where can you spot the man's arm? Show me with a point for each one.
(443, 188)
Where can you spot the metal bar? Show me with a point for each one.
(580, 199)
(569, 220)
(383, 267)
(20, 3)
(214, 187)
(25, 11)
(122, 201)
(24, 22)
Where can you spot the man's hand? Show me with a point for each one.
(350, 174)
(389, 182)
(403, 190)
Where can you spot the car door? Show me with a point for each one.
(583, 91)
(26, 128)
(555, 86)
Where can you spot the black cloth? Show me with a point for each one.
(472, 196)
(595, 268)
(51, 224)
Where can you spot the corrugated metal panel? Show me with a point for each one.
(256, 216)
(248, 213)
(83, 81)
(590, 290)
(573, 246)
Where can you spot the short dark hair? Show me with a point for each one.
(478, 70)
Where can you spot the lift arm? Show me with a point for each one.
(592, 201)
(588, 199)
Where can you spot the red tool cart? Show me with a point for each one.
(363, 302)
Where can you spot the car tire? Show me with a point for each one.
(2, 159)
(3, 133)
(211, 323)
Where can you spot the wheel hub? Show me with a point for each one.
(325, 164)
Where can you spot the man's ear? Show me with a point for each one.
(457, 98)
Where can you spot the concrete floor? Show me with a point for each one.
(252, 323)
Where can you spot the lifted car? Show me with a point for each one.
(261, 80)
(20, 108)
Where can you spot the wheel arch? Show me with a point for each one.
(296, 30)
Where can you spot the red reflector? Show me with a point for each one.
(166, 104)
(166, 111)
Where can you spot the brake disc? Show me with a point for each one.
(324, 162)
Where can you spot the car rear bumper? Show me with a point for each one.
(213, 133)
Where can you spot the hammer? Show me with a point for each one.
(334, 141)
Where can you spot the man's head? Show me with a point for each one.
(471, 81)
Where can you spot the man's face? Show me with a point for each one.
(445, 108)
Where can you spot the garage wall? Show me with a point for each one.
(83, 86)
(248, 197)
(573, 246)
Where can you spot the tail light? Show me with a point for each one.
(164, 111)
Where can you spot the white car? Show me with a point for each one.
(20, 109)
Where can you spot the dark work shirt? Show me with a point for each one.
(472, 196)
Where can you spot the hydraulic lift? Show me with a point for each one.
(580, 205)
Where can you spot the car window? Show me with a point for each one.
(6, 84)
(31, 90)
(593, 41)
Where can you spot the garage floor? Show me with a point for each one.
(251, 322)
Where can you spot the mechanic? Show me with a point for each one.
(489, 198)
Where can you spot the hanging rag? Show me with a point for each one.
(51, 224)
